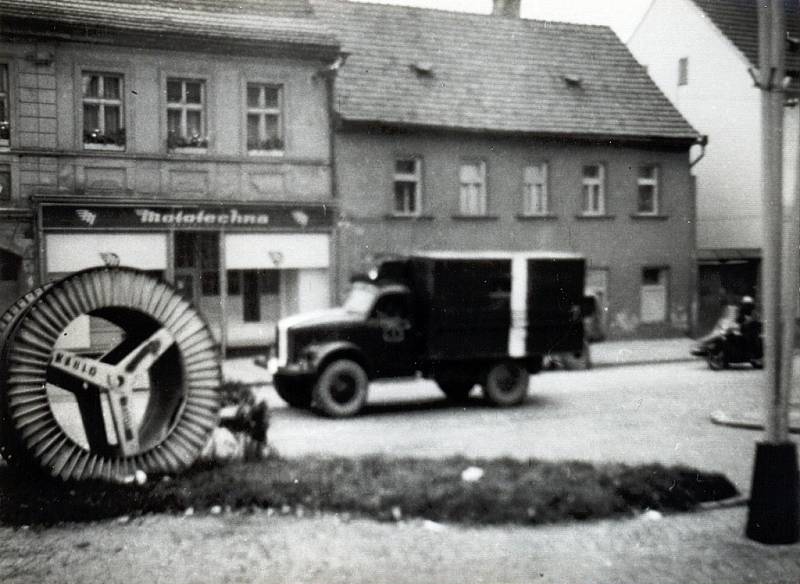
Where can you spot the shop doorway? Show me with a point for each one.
(196, 264)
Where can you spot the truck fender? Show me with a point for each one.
(318, 355)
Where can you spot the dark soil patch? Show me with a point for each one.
(510, 491)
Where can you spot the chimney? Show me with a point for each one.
(506, 8)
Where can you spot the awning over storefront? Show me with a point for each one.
(247, 251)
(70, 252)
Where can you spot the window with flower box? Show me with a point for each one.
(5, 182)
(264, 118)
(103, 121)
(5, 123)
(186, 115)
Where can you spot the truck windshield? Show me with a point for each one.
(361, 298)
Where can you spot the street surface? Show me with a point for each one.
(632, 414)
(642, 413)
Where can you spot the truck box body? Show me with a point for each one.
(490, 305)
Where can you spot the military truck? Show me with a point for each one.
(462, 319)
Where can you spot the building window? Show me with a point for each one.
(5, 182)
(264, 127)
(472, 178)
(5, 124)
(407, 186)
(536, 199)
(654, 295)
(186, 124)
(594, 190)
(647, 198)
(103, 126)
(683, 71)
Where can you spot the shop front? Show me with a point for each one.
(244, 266)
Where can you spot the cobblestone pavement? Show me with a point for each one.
(701, 548)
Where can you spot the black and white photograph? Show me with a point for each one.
(399, 291)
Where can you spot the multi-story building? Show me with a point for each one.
(700, 53)
(190, 138)
(464, 131)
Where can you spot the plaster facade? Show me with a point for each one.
(618, 245)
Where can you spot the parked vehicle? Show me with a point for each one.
(459, 318)
(733, 340)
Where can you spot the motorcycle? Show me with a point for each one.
(730, 342)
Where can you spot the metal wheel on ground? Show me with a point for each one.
(506, 384)
(341, 389)
(149, 402)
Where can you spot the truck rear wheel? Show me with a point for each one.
(296, 395)
(506, 384)
(341, 390)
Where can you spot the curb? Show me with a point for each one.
(596, 365)
(748, 422)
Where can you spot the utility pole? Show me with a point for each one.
(773, 516)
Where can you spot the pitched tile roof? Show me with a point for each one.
(738, 20)
(474, 72)
(250, 21)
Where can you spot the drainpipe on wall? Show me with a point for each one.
(701, 141)
(328, 74)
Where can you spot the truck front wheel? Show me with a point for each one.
(341, 390)
(297, 395)
(506, 384)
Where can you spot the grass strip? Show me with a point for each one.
(509, 490)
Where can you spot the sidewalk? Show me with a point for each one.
(604, 354)
(640, 351)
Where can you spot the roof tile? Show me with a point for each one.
(738, 20)
(259, 21)
(493, 74)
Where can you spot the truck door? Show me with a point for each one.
(394, 336)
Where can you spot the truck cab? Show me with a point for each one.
(460, 319)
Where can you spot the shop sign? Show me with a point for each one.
(306, 216)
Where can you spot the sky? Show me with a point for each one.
(621, 15)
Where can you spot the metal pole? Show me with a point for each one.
(773, 513)
(771, 61)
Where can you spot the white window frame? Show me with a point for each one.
(593, 190)
(472, 194)
(535, 191)
(263, 112)
(184, 108)
(648, 181)
(4, 97)
(102, 102)
(415, 209)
